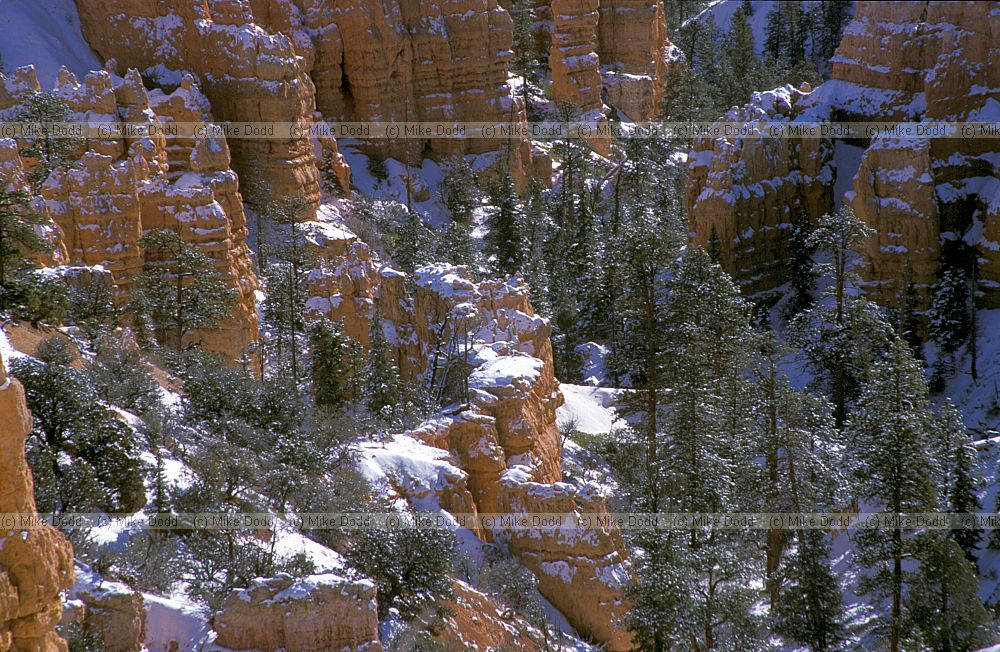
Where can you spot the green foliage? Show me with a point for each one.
(82, 637)
(180, 290)
(92, 306)
(889, 448)
(337, 365)
(959, 481)
(459, 191)
(504, 246)
(51, 152)
(84, 457)
(943, 610)
(382, 385)
(810, 611)
(513, 586)
(120, 377)
(409, 566)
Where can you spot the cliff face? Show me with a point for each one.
(743, 194)
(36, 564)
(310, 614)
(248, 73)
(495, 359)
(613, 51)
(918, 62)
(934, 61)
(121, 188)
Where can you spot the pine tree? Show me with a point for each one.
(801, 266)
(893, 467)
(415, 244)
(525, 59)
(951, 311)
(834, 16)
(459, 190)
(800, 448)
(504, 245)
(337, 365)
(943, 610)
(811, 608)
(180, 289)
(708, 432)
(382, 385)
(959, 481)
(457, 247)
(837, 338)
(741, 73)
(287, 285)
(18, 234)
(50, 151)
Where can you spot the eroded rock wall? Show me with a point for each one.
(121, 188)
(310, 614)
(929, 61)
(494, 360)
(248, 73)
(743, 193)
(915, 62)
(35, 564)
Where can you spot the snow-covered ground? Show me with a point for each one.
(45, 33)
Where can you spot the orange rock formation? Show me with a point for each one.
(35, 564)
(311, 614)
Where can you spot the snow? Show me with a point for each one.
(517, 371)
(174, 620)
(589, 409)
(721, 11)
(46, 34)
(847, 159)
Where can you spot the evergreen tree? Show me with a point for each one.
(959, 481)
(840, 338)
(382, 385)
(811, 608)
(83, 457)
(943, 610)
(415, 244)
(890, 450)
(409, 566)
(741, 72)
(180, 289)
(49, 150)
(19, 227)
(504, 246)
(701, 459)
(951, 311)
(459, 190)
(537, 228)
(525, 58)
(833, 17)
(337, 365)
(801, 270)
(287, 283)
(800, 448)
(787, 32)
(457, 247)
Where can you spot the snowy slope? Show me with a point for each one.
(721, 11)
(45, 33)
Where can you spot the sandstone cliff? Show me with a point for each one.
(608, 50)
(248, 74)
(481, 346)
(35, 564)
(123, 187)
(897, 61)
(311, 614)
(914, 192)
(744, 193)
